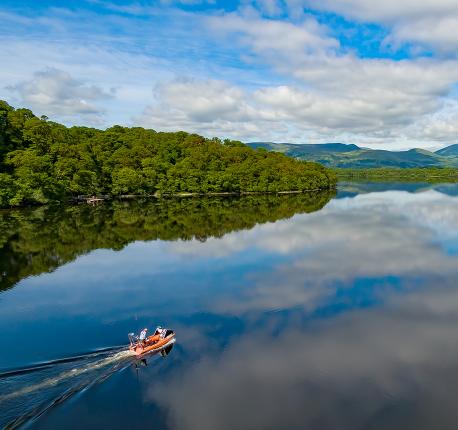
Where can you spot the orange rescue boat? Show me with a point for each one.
(155, 342)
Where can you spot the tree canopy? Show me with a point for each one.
(390, 174)
(43, 161)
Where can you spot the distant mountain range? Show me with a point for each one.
(352, 156)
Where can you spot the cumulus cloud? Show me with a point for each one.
(430, 23)
(373, 111)
(129, 74)
(208, 107)
(382, 113)
(385, 85)
(442, 126)
(285, 40)
(432, 32)
(240, 75)
(58, 93)
(389, 10)
(331, 91)
(328, 92)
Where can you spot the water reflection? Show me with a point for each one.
(358, 328)
(343, 318)
(394, 367)
(349, 253)
(352, 189)
(39, 240)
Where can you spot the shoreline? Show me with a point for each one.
(96, 199)
(158, 195)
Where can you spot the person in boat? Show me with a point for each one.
(160, 332)
(142, 337)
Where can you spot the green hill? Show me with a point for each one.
(43, 161)
(351, 156)
(449, 151)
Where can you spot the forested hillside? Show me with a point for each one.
(43, 161)
(344, 156)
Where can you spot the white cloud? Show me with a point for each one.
(236, 75)
(58, 93)
(442, 126)
(204, 100)
(335, 91)
(330, 92)
(383, 113)
(440, 33)
(209, 107)
(284, 40)
(388, 10)
(126, 77)
(431, 23)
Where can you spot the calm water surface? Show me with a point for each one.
(293, 312)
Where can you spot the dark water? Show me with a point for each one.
(313, 311)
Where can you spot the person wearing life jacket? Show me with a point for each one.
(142, 337)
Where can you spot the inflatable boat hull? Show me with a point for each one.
(153, 343)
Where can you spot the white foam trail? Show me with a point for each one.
(118, 357)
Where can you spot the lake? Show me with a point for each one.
(318, 311)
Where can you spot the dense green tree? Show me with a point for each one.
(42, 161)
(8, 189)
(389, 174)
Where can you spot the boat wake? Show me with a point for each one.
(29, 392)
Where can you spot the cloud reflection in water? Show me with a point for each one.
(389, 361)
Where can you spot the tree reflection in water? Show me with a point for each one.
(38, 240)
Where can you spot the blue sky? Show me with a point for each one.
(379, 75)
